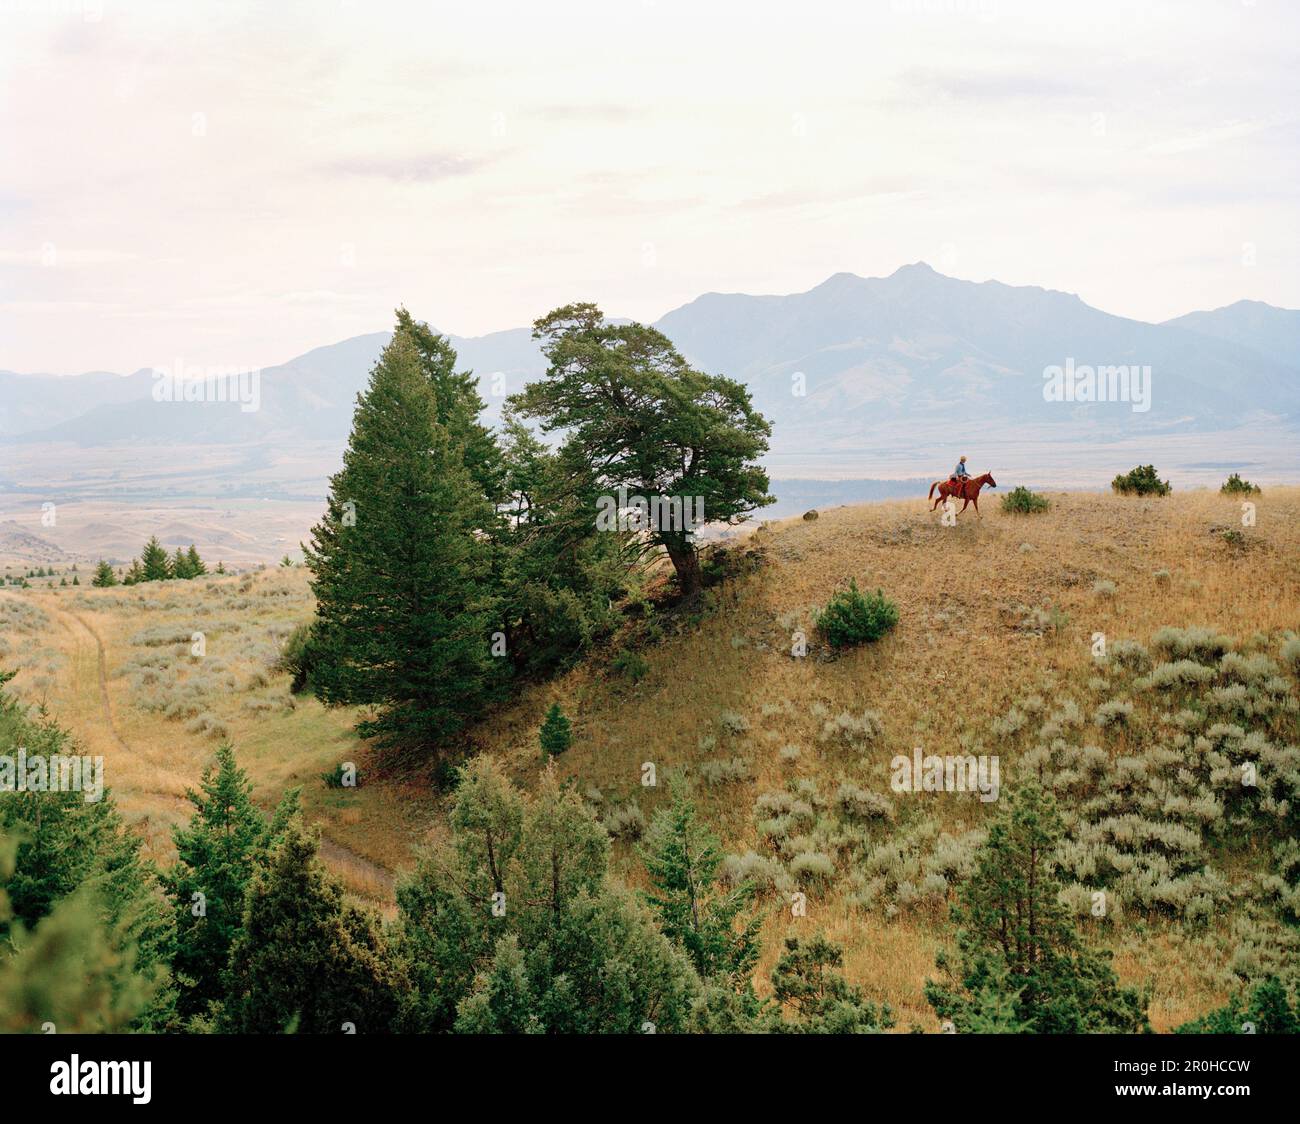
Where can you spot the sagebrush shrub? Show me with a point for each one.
(1116, 712)
(1196, 642)
(853, 731)
(1131, 655)
(627, 822)
(765, 874)
(724, 772)
(812, 868)
(856, 803)
(733, 722)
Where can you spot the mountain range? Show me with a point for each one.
(849, 368)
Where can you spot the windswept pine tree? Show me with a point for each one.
(640, 417)
(194, 563)
(402, 570)
(560, 577)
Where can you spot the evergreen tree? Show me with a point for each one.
(74, 580)
(638, 416)
(457, 406)
(559, 576)
(306, 959)
(134, 574)
(67, 970)
(1266, 1012)
(154, 563)
(807, 984)
(180, 566)
(216, 856)
(399, 571)
(221, 567)
(1015, 938)
(556, 734)
(514, 925)
(70, 848)
(682, 857)
(194, 563)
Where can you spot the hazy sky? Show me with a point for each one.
(232, 184)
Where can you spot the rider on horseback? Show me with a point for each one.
(960, 472)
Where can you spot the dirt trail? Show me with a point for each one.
(345, 860)
(105, 701)
(342, 859)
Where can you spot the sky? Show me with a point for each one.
(231, 184)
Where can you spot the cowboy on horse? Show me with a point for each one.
(962, 485)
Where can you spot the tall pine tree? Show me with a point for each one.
(457, 405)
(401, 567)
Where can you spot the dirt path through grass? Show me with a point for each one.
(105, 702)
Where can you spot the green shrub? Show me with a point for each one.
(631, 664)
(298, 656)
(1235, 485)
(341, 776)
(852, 617)
(1141, 481)
(556, 734)
(1021, 501)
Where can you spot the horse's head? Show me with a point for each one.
(987, 478)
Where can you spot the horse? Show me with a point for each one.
(967, 489)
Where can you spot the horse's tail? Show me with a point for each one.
(932, 488)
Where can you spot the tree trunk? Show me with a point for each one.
(686, 561)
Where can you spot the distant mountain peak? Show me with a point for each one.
(916, 269)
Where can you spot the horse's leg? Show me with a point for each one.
(964, 506)
(977, 507)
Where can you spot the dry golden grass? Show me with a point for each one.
(954, 663)
(956, 660)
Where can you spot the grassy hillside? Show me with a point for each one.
(789, 757)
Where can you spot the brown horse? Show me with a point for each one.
(968, 490)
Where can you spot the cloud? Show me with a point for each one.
(426, 168)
